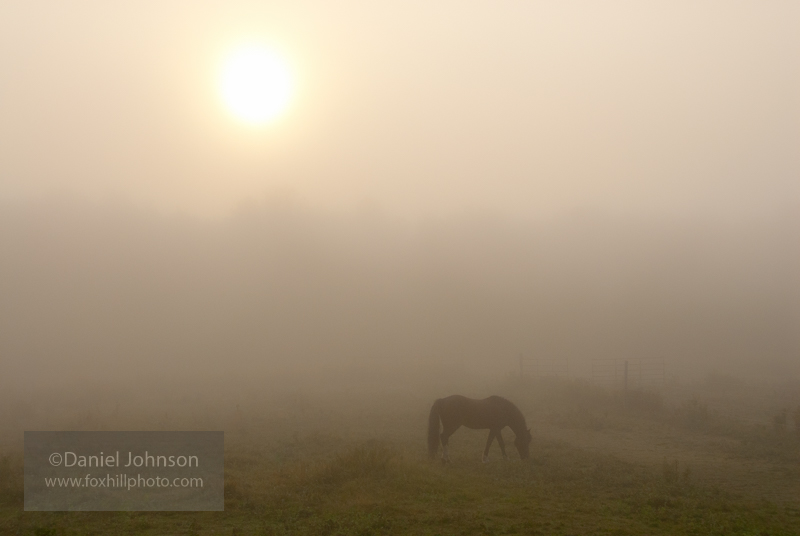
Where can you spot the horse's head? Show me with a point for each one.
(522, 442)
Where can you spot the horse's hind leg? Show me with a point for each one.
(445, 437)
(492, 433)
(502, 444)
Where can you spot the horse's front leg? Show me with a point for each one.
(492, 433)
(502, 444)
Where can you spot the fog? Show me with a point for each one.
(455, 185)
(277, 293)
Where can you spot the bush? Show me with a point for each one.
(693, 414)
(370, 460)
(647, 402)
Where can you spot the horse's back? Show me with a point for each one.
(463, 401)
(501, 402)
(490, 412)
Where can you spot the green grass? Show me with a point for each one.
(300, 475)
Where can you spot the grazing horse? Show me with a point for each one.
(494, 413)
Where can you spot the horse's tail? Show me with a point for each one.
(433, 429)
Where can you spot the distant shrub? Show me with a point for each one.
(369, 460)
(580, 417)
(647, 402)
(779, 421)
(693, 414)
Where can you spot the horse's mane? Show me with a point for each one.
(512, 408)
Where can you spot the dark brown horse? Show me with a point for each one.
(494, 413)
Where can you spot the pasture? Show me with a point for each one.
(714, 460)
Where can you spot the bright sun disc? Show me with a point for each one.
(255, 85)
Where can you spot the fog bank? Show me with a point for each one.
(278, 292)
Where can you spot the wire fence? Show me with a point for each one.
(748, 403)
(640, 373)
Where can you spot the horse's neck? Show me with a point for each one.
(518, 424)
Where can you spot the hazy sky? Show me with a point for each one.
(522, 108)
(453, 183)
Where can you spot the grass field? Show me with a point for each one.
(602, 463)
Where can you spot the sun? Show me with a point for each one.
(255, 85)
